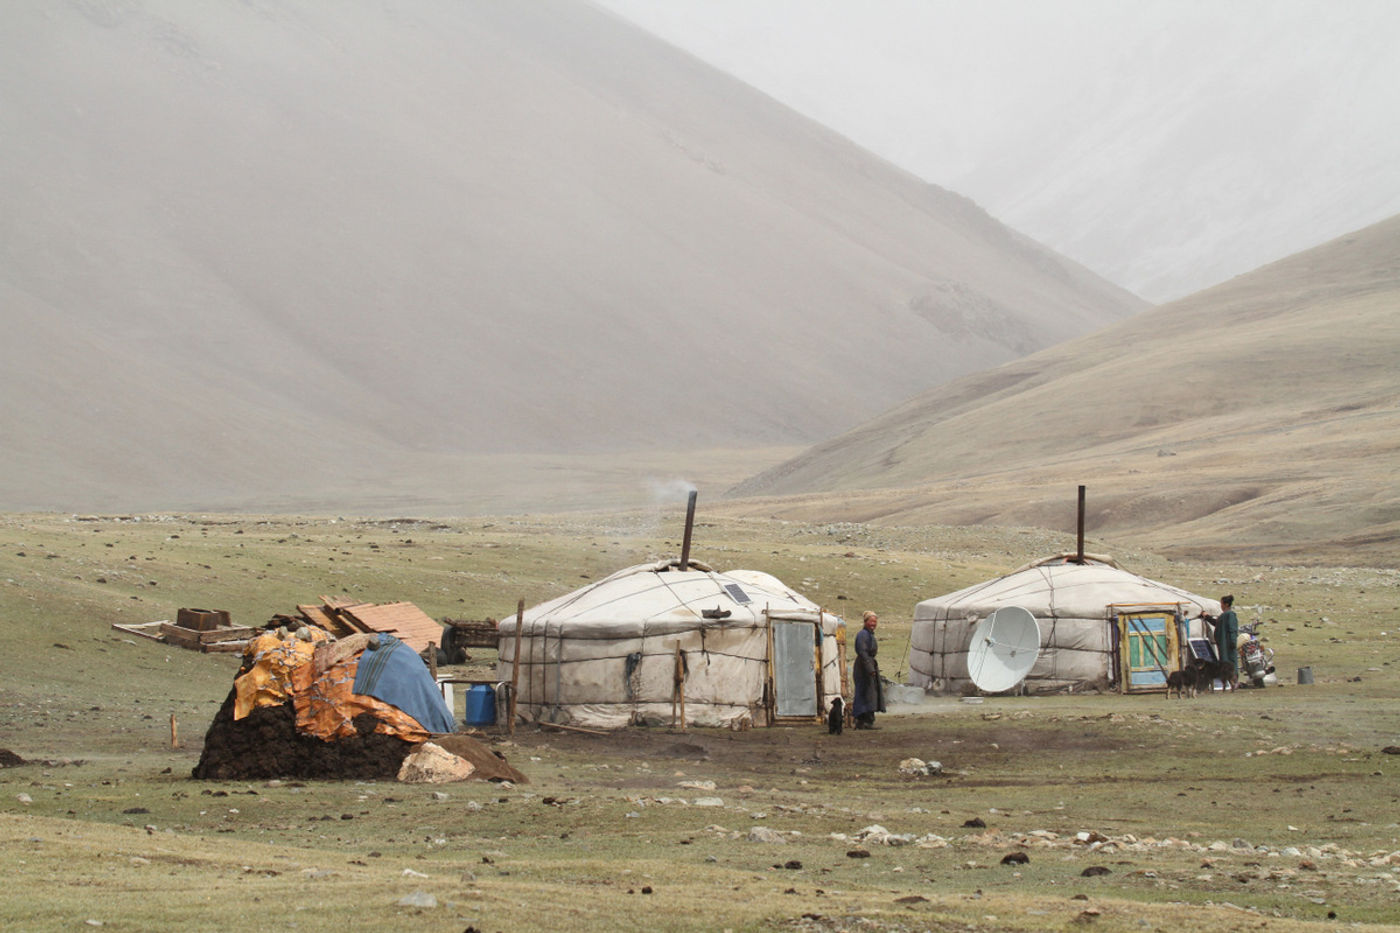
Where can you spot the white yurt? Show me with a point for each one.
(656, 644)
(1101, 627)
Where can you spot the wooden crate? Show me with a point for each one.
(202, 620)
(472, 634)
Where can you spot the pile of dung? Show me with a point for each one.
(266, 744)
(490, 765)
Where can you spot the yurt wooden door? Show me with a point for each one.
(1148, 649)
(794, 651)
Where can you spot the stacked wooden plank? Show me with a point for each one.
(405, 621)
(327, 617)
(210, 630)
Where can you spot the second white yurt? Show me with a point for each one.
(1101, 627)
(667, 643)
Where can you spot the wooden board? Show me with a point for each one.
(404, 621)
(149, 630)
(325, 619)
(226, 647)
(189, 638)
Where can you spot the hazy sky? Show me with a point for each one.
(1167, 144)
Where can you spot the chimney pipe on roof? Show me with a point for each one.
(689, 527)
(1079, 559)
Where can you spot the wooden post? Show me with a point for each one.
(845, 683)
(679, 687)
(771, 685)
(515, 664)
(817, 656)
(174, 733)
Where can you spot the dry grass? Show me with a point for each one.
(114, 831)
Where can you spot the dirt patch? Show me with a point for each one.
(9, 759)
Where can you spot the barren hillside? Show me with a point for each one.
(290, 254)
(1260, 417)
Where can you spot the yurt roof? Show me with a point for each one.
(660, 597)
(1061, 587)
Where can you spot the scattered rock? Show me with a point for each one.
(975, 823)
(1093, 871)
(875, 834)
(858, 853)
(917, 767)
(430, 763)
(1388, 750)
(764, 834)
(419, 899)
(1015, 858)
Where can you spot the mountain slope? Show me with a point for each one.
(257, 253)
(1261, 416)
(1166, 145)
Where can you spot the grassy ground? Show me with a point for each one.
(1266, 809)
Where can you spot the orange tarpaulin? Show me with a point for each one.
(327, 705)
(323, 696)
(269, 681)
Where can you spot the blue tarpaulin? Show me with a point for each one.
(390, 671)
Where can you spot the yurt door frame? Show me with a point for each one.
(794, 647)
(1148, 647)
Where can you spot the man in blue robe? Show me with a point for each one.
(869, 696)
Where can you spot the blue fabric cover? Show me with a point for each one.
(393, 672)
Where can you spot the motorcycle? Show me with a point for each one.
(1256, 660)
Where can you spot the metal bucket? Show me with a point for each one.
(1305, 675)
(481, 705)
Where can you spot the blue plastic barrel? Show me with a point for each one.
(481, 705)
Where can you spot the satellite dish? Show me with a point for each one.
(1003, 649)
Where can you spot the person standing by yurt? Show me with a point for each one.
(869, 696)
(1227, 634)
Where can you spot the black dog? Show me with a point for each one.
(1178, 683)
(1210, 671)
(836, 717)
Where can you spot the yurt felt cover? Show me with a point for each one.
(605, 654)
(1073, 605)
